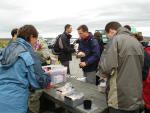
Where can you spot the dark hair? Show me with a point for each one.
(97, 35)
(14, 32)
(138, 36)
(84, 28)
(128, 27)
(26, 31)
(67, 26)
(112, 25)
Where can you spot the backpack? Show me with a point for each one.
(57, 46)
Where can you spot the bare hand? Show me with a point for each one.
(48, 72)
(81, 54)
(82, 64)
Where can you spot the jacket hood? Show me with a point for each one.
(123, 30)
(9, 55)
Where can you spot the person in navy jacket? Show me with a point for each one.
(89, 53)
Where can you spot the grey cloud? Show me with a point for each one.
(131, 11)
(134, 12)
(56, 25)
(9, 6)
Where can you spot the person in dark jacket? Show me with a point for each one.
(128, 27)
(14, 35)
(89, 53)
(66, 50)
(98, 36)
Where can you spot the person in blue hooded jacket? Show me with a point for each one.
(20, 69)
(89, 53)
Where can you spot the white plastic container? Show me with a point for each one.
(58, 73)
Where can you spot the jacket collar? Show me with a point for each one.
(23, 42)
(89, 37)
(68, 35)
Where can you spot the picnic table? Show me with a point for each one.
(90, 91)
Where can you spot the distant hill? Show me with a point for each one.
(4, 42)
(146, 38)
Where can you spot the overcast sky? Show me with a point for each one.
(50, 16)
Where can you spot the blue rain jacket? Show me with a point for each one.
(20, 69)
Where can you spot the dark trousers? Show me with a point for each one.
(112, 110)
(66, 64)
(147, 110)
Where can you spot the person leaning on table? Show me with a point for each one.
(121, 62)
(20, 69)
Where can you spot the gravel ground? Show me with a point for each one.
(74, 67)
